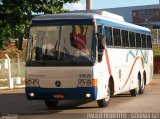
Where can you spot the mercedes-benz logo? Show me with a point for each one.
(58, 83)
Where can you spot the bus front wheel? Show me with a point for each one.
(51, 104)
(105, 101)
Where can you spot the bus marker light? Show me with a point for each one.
(94, 82)
(58, 96)
(88, 95)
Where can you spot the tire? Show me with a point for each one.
(142, 87)
(135, 92)
(105, 101)
(51, 104)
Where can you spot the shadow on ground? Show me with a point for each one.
(18, 104)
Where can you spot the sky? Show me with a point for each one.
(100, 4)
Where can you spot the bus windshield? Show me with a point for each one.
(68, 43)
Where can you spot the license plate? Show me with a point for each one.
(58, 96)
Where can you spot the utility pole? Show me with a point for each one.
(88, 4)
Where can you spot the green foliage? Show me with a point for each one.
(16, 14)
(1, 44)
(156, 50)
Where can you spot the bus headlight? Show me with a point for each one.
(32, 83)
(88, 95)
(87, 83)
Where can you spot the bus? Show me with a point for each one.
(86, 55)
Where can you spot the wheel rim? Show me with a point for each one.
(138, 86)
(142, 84)
(108, 95)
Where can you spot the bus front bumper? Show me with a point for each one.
(79, 93)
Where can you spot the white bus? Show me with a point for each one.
(86, 55)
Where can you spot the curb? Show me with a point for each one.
(16, 87)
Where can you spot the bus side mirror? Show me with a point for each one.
(101, 46)
(100, 55)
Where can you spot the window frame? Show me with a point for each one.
(150, 41)
(125, 38)
(118, 38)
(144, 43)
(106, 34)
(130, 35)
(138, 38)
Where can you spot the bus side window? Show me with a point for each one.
(125, 42)
(138, 40)
(144, 41)
(99, 29)
(100, 43)
(132, 39)
(149, 42)
(108, 35)
(117, 37)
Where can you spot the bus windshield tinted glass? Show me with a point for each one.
(68, 43)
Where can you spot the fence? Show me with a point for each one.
(156, 36)
(17, 74)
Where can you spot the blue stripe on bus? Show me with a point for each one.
(122, 26)
(145, 55)
(69, 93)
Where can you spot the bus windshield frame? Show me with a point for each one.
(61, 45)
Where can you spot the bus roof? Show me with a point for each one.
(92, 15)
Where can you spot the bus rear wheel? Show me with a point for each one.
(142, 87)
(105, 101)
(135, 92)
(51, 104)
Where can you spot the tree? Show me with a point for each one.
(16, 14)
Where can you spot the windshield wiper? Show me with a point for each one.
(51, 54)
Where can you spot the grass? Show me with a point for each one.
(156, 50)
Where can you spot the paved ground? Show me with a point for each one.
(14, 104)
